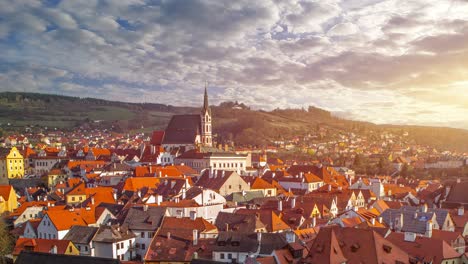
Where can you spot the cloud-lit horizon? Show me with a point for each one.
(383, 61)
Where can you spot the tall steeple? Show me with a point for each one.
(206, 106)
(205, 116)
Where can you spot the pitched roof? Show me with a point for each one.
(214, 180)
(238, 222)
(65, 219)
(81, 234)
(182, 129)
(5, 191)
(111, 234)
(424, 249)
(183, 227)
(157, 137)
(40, 245)
(27, 257)
(139, 219)
(134, 184)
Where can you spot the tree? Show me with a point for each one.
(5, 241)
(383, 166)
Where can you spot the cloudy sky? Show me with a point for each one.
(385, 61)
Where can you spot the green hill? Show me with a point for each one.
(232, 121)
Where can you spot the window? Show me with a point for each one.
(229, 256)
(86, 248)
(79, 247)
(221, 256)
(143, 246)
(230, 187)
(73, 199)
(121, 245)
(142, 234)
(118, 246)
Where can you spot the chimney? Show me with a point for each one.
(259, 237)
(139, 193)
(92, 200)
(429, 228)
(314, 221)
(458, 180)
(290, 237)
(193, 215)
(329, 187)
(424, 208)
(195, 237)
(227, 226)
(53, 250)
(168, 235)
(183, 194)
(150, 168)
(177, 199)
(273, 175)
(145, 207)
(410, 236)
(380, 219)
(461, 210)
(373, 221)
(160, 174)
(280, 205)
(293, 202)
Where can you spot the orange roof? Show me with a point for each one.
(65, 219)
(40, 245)
(260, 183)
(134, 184)
(5, 191)
(101, 194)
(88, 163)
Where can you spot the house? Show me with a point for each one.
(235, 247)
(268, 189)
(166, 248)
(143, 222)
(248, 223)
(222, 182)
(29, 210)
(53, 246)
(8, 199)
(56, 223)
(455, 195)
(418, 247)
(82, 236)
(204, 197)
(114, 242)
(11, 164)
(307, 182)
(419, 220)
(335, 244)
(214, 160)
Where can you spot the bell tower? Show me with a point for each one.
(206, 134)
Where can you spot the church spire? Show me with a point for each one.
(206, 106)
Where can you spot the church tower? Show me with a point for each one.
(206, 135)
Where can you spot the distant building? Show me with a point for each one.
(189, 131)
(11, 164)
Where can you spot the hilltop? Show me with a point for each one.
(232, 121)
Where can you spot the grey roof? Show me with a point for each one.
(113, 208)
(246, 196)
(28, 257)
(215, 180)
(414, 220)
(139, 219)
(238, 222)
(81, 234)
(111, 234)
(236, 242)
(273, 241)
(182, 129)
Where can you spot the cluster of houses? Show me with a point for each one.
(179, 199)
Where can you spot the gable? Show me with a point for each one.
(182, 129)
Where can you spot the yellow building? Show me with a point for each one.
(8, 200)
(76, 195)
(11, 164)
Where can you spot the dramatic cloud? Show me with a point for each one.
(384, 61)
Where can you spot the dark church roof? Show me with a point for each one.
(182, 129)
(46, 258)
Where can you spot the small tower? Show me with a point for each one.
(206, 135)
